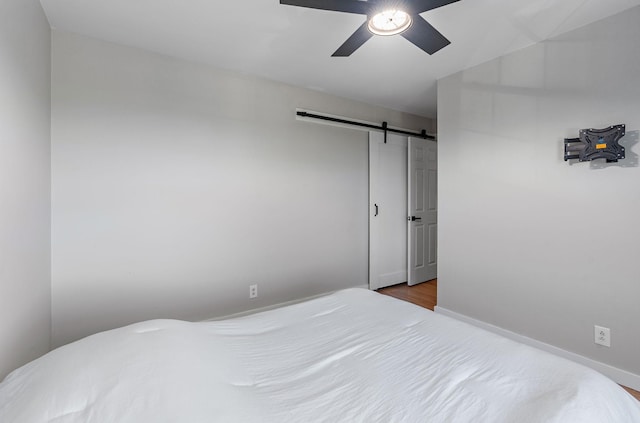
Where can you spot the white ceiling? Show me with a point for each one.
(294, 45)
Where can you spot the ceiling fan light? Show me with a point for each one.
(389, 22)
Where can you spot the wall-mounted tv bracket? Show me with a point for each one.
(596, 144)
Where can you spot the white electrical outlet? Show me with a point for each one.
(253, 291)
(602, 336)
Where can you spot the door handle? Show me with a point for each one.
(376, 210)
(413, 218)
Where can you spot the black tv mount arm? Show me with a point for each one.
(596, 144)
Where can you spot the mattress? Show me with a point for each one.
(352, 356)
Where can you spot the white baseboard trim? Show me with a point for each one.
(620, 376)
(274, 306)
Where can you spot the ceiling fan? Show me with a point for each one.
(385, 17)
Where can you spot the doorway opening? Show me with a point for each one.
(403, 210)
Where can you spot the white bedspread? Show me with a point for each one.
(353, 356)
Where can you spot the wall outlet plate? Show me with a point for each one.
(253, 291)
(602, 336)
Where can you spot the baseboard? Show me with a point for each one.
(620, 376)
(274, 306)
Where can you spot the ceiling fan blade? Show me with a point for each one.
(423, 35)
(419, 6)
(348, 6)
(354, 42)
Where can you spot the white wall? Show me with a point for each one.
(175, 186)
(528, 242)
(25, 309)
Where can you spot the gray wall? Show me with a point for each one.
(175, 186)
(25, 296)
(529, 242)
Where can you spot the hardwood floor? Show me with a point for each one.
(425, 295)
(633, 392)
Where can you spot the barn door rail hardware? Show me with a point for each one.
(384, 127)
(595, 144)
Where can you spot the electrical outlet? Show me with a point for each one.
(253, 291)
(602, 336)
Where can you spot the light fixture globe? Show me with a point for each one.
(389, 22)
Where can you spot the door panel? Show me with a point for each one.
(423, 210)
(433, 243)
(388, 210)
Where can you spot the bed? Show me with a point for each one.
(352, 356)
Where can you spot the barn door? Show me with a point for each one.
(387, 210)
